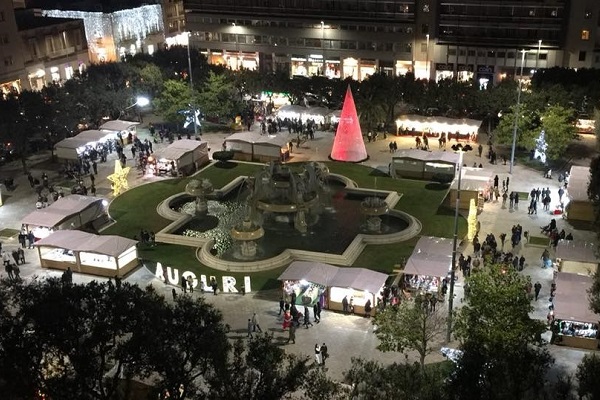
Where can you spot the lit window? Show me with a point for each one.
(426, 8)
(585, 34)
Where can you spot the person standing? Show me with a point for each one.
(214, 286)
(292, 334)
(368, 309)
(324, 354)
(184, 284)
(21, 256)
(255, 323)
(317, 312)
(190, 282)
(496, 180)
(174, 293)
(537, 288)
(30, 239)
(345, 304)
(318, 358)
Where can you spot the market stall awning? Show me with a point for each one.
(118, 125)
(438, 124)
(108, 245)
(473, 179)
(72, 143)
(60, 210)
(428, 156)
(256, 138)
(432, 256)
(179, 148)
(572, 250)
(314, 272)
(93, 135)
(571, 298)
(579, 180)
(360, 278)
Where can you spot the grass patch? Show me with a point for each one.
(8, 232)
(538, 241)
(523, 195)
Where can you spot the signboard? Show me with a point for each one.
(173, 277)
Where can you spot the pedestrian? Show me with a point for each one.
(31, 180)
(502, 240)
(30, 239)
(317, 312)
(95, 167)
(250, 326)
(561, 192)
(496, 180)
(184, 284)
(545, 258)
(174, 293)
(507, 182)
(537, 288)
(479, 149)
(318, 354)
(345, 304)
(22, 240)
(190, 282)
(214, 286)
(324, 354)
(516, 196)
(292, 334)
(307, 317)
(368, 309)
(281, 306)
(21, 254)
(255, 323)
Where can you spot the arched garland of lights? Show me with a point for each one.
(137, 23)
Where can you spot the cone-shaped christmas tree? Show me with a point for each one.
(349, 145)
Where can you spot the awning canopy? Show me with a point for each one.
(571, 250)
(473, 179)
(432, 256)
(118, 125)
(579, 180)
(428, 156)
(332, 276)
(60, 210)
(94, 136)
(108, 245)
(179, 148)
(72, 143)
(571, 298)
(256, 138)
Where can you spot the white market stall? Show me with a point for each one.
(580, 207)
(476, 184)
(185, 156)
(577, 325)
(328, 284)
(428, 264)
(438, 126)
(69, 212)
(100, 255)
(75, 147)
(126, 129)
(577, 257)
(252, 146)
(420, 164)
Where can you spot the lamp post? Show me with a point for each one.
(517, 111)
(323, 47)
(139, 101)
(427, 56)
(191, 83)
(454, 251)
(537, 58)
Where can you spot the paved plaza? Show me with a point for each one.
(346, 336)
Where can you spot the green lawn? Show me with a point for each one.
(136, 209)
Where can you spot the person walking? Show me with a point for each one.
(545, 258)
(324, 354)
(190, 282)
(30, 239)
(537, 288)
(317, 312)
(561, 192)
(318, 358)
(255, 323)
(307, 318)
(292, 334)
(368, 309)
(281, 306)
(214, 286)
(345, 304)
(250, 326)
(174, 293)
(184, 284)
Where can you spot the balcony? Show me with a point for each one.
(61, 53)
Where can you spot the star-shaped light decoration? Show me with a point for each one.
(119, 179)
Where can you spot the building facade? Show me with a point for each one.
(36, 50)
(435, 39)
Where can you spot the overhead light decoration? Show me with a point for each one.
(125, 25)
(119, 179)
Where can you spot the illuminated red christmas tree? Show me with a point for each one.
(349, 145)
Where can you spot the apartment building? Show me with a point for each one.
(36, 50)
(469, 39)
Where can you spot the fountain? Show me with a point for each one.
(199, 189)
(374, 207)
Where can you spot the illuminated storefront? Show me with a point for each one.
(465, 73)
(403, 67)
(10, 87)
(485, 76)
(443, 71)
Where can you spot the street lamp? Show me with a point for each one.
(537, 58)
(454, 250)
(427, 57)
(323, 46)
(191, 82)
(517, 111)
(140, 101)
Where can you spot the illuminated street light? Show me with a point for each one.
(140, 101)
(454, 250)
(517, 111)
(192, 81)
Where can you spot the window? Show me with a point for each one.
(462, 52)
(424, 29)
(1, 16)
(510, 54)
(423, 47)
(585, 34)
(543, 56)
(451, 52)
(501, 54)
(471, 53)
(425, 8)
(582, 55)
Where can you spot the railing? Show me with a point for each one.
(61, 52)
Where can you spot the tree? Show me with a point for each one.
(587, 377)
(593, 192)
(410, 326)
(557, 123)
(527, 127)
(174, 97)
(217, 98)
(503, 352)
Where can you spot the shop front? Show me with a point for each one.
(252, 146)
(443, 71)
(464, 73)
(86, 253)
(183, 156)
(485, 76)
(428, 265)
(574, 324)
(311, 282)
(476, 184)
(419, 164)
